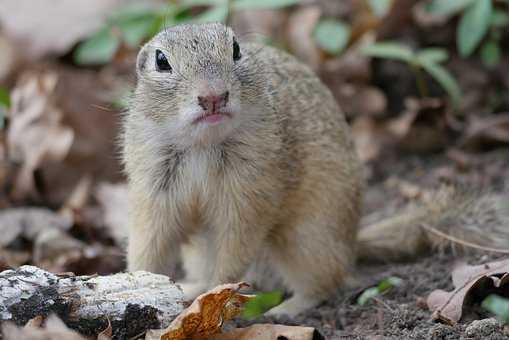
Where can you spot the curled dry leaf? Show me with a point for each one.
(107, 333)
(448, 306)
(206, 314)
(36, 133)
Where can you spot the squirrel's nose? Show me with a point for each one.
(213, 103)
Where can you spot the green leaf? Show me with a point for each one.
(447, 7)
(332, 35)
(498, 306)
(389, 283)
(433, 55)
(191, 3)
(5, 103)
(499, 18)
(473, 26)
(445, 79)
(389, 50)
(3, 114)
(264, 4)
(367, 295)
(261, 303)
(380, 7)
(133, 11)
(98, 49)
(490, 53)
(5, 99)
(136, 30)
(215, 14)
(382, 286)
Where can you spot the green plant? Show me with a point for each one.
(261, 303)
(332, 35)
(498, 306)
(134, 24)
(480, 20)
(427, 59)
(5, 103)
(382, 287)
(380, 7)
(130, 25)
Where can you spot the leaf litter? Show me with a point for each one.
(469, 282)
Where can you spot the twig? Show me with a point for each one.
(462, 242)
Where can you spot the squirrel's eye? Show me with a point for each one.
(162, 64)
(236, 50)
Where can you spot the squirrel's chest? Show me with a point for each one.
(199, 186)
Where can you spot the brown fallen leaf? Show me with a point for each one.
(107, 333)
(28, 23)
(35, 322)
(492, 129)
(448, 306)
(36, 133)
(301, 24)
(113, 201)
(269, 332)
(206, 314)
(54, 329)
(28, 223)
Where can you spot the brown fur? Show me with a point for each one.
(279, 181)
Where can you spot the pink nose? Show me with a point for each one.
(213, 103)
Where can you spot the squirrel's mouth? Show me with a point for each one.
(212, 118)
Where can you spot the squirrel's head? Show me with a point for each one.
(196, 83)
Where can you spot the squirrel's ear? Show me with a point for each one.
(141, 61)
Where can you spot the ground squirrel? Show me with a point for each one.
(236, 153)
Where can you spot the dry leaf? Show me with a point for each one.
(8, 57)
(78, 197)
(47, 26)
(269, 332)
(54, 329)
(206, 314)
(448, 306)
(35, 322)
(36, 133)
(421, 127)
(491, 129)
(113, 201)
(369, 137)
(29, 222)
(301, 25)
(107, 333)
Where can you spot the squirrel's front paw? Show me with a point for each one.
(192, 289)
(293, 306)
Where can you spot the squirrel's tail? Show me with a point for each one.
(452, 216)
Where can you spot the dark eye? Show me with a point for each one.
(162, 64)
(236, 50)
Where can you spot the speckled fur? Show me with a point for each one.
(278, 184)
(280, 179)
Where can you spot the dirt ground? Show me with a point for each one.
(401, 313)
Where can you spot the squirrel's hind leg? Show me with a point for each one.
(313, 262)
